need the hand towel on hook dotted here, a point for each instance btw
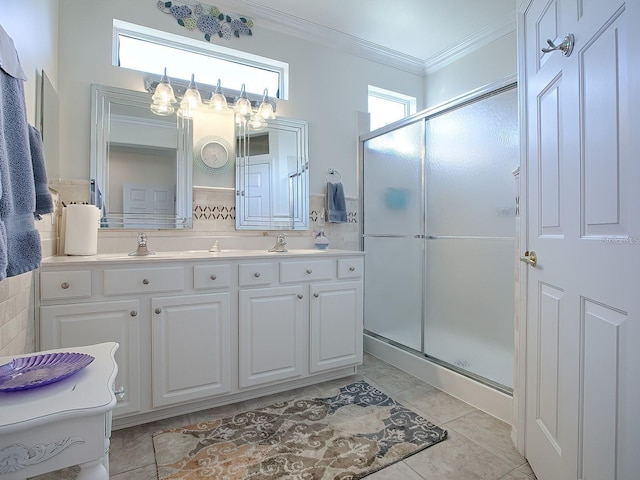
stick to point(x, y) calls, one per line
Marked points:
point(336, 205)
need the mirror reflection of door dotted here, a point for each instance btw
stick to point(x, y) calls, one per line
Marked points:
point(142, 164)
point(258, 187)
point(146, 199)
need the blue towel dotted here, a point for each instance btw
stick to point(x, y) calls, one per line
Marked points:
point(335, 203)
point(44, 202)
point(20, 249)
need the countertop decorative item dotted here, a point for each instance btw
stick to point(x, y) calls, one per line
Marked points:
point(208, 19)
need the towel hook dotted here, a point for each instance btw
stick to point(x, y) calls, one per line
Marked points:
point(333, 171)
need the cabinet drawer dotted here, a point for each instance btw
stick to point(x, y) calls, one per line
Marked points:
point(350, 268)
point(211, 276)
point(72, 284)
point(143, 280)
point(300, 271)
point(256, 274)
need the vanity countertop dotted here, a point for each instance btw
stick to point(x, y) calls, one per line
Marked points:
point(191, 255)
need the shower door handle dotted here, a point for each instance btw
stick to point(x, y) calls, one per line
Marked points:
point(530, 258)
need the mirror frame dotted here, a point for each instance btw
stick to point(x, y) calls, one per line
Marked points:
point(102, 99)
point(298, 218)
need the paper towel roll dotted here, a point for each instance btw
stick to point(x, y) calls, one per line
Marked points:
point(81, 230)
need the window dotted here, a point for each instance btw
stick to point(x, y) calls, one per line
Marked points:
point(386, 106)
point(147, 50)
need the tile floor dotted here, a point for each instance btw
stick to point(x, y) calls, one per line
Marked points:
point(478, 445)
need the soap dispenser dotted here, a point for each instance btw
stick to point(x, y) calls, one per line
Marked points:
point(321, 242)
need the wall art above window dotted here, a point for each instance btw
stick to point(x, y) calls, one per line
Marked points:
point(208, 19)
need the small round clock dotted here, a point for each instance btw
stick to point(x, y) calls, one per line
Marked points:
point(213, 154)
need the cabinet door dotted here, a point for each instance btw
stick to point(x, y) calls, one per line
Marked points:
point(190, 347)
point(273, 335)
point(336, 325)
point(75, 325)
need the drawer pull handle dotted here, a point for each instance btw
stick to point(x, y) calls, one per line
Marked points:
point(120, 392)
point(133, 313)
point(158, 311)
point(352, 269)
point(300, 296)
point(316, 294)
point(145, 281)
point(214, 276)
point(309, 271)
point(64, 285)
point(257, 274)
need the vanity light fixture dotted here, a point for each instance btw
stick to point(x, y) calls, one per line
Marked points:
point(242, 104)
point(163, 98)
point(191, 100)
point(218, 100)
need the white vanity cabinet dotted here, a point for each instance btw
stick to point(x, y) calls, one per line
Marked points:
point(199, 330)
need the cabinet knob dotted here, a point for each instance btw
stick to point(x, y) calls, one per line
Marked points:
point(300, 296)
point(213, 276)
point(133, 313)
point(158, 311)
point(316, 294)
point(309, 271)
point(145, 281)
point(352, 269)
point(120, 392)
point(64, 285)
point(257, 274)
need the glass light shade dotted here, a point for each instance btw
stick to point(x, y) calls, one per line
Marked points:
point(218, 100)
point(162, 109)
point(257, 122)
point(163, 97)
point(191, 100)
point(265, 110)
point(243, 105)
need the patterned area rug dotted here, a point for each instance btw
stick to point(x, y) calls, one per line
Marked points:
point(345, 437)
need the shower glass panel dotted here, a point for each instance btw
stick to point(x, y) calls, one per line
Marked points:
point(471, 152)
point(393, 211)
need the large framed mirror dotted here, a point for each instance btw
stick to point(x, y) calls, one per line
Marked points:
point(272, 176)
point(141, 163)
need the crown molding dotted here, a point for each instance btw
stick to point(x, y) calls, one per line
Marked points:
point(283, 22)
point(495, 30)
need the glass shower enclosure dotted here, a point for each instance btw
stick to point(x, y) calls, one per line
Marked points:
point(439, 234)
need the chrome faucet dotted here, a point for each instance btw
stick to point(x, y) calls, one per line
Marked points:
point(142, 249)
point(280, 244)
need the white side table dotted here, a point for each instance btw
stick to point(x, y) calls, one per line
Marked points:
point(62, 424)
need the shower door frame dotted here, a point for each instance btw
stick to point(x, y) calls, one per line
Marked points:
point(423, 116)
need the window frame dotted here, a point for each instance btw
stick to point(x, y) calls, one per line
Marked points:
point(409, 102)
point(199, 47)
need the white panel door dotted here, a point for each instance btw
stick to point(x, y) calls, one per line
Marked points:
point(582, 178)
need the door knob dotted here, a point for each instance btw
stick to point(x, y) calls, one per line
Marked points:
point(530, 258)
